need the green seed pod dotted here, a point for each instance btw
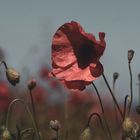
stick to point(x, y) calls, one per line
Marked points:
point(115, 75)
point(130, 55)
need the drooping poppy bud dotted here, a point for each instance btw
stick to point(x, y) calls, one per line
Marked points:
point(6, 135)
point(31, 84)
point(55, 125)
point(12, 76)
point(86, 134)
point(130, 55)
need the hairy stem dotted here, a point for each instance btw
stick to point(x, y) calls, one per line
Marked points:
point(4, 63)
point(114, 99)
point(131, 87)
point(28, 111)
point(66, 120)
point(34, 113)
point(125, 113)
point(100, 120)
point(113, 89)
point(102, 109)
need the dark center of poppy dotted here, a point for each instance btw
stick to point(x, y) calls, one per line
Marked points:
point(85, 55)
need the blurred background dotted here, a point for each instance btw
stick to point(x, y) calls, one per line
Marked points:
point(26, 31)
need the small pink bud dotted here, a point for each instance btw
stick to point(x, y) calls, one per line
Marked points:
point(31, 84)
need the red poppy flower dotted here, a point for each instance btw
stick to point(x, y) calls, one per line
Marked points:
point(75, 55)
point(4, 96)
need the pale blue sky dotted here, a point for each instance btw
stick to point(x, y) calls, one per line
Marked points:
point(28, 26)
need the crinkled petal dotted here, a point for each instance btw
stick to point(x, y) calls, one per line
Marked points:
point(74, 74)
point(96, 71)
point(80, 85)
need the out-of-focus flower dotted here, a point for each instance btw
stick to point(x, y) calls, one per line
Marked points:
point(55, 125)
point(75, 56)
point(44, 72)
point(6, 135)
point(4, 96)
point(130, 55)
point(86, 134)
point(40, 95)
point(31, 84)
point(12, 76)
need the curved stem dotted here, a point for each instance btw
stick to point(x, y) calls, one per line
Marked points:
point(102, 109)
point(3, 62)
point(28, 111)
point(131, 87)
point(33, 108)
point(114, 99)
point(127, 98)
point(100, 120)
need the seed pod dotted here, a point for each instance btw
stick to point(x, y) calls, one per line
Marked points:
point(86, 134)
point(55, 125)
point(115, 75)
point(127, 125)
point(12, 76)
point(6, 135)
point(31, 84)
point(130, 55)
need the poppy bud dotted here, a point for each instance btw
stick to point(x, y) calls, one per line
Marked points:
point(6, 135)
point(85, 134)
point(115, 75)
point(55, 125)
point(12, 76)
point(138, 109)
point(31, 84)
point(130, 55)
point(127, 125)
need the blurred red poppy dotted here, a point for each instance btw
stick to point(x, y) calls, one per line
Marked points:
point(44, 72)
point(75, 55)
point(40, 95)
point(4, 96)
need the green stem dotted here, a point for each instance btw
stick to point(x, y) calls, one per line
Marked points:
point(34, 113)
point(57, 138)
point(100, 120)
point(102, 108)
point(125, 113)
point(131, 87)
point(66, 120)
point(114, 99)
point(116, 116)
point(28, 111)
point(4, 63)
